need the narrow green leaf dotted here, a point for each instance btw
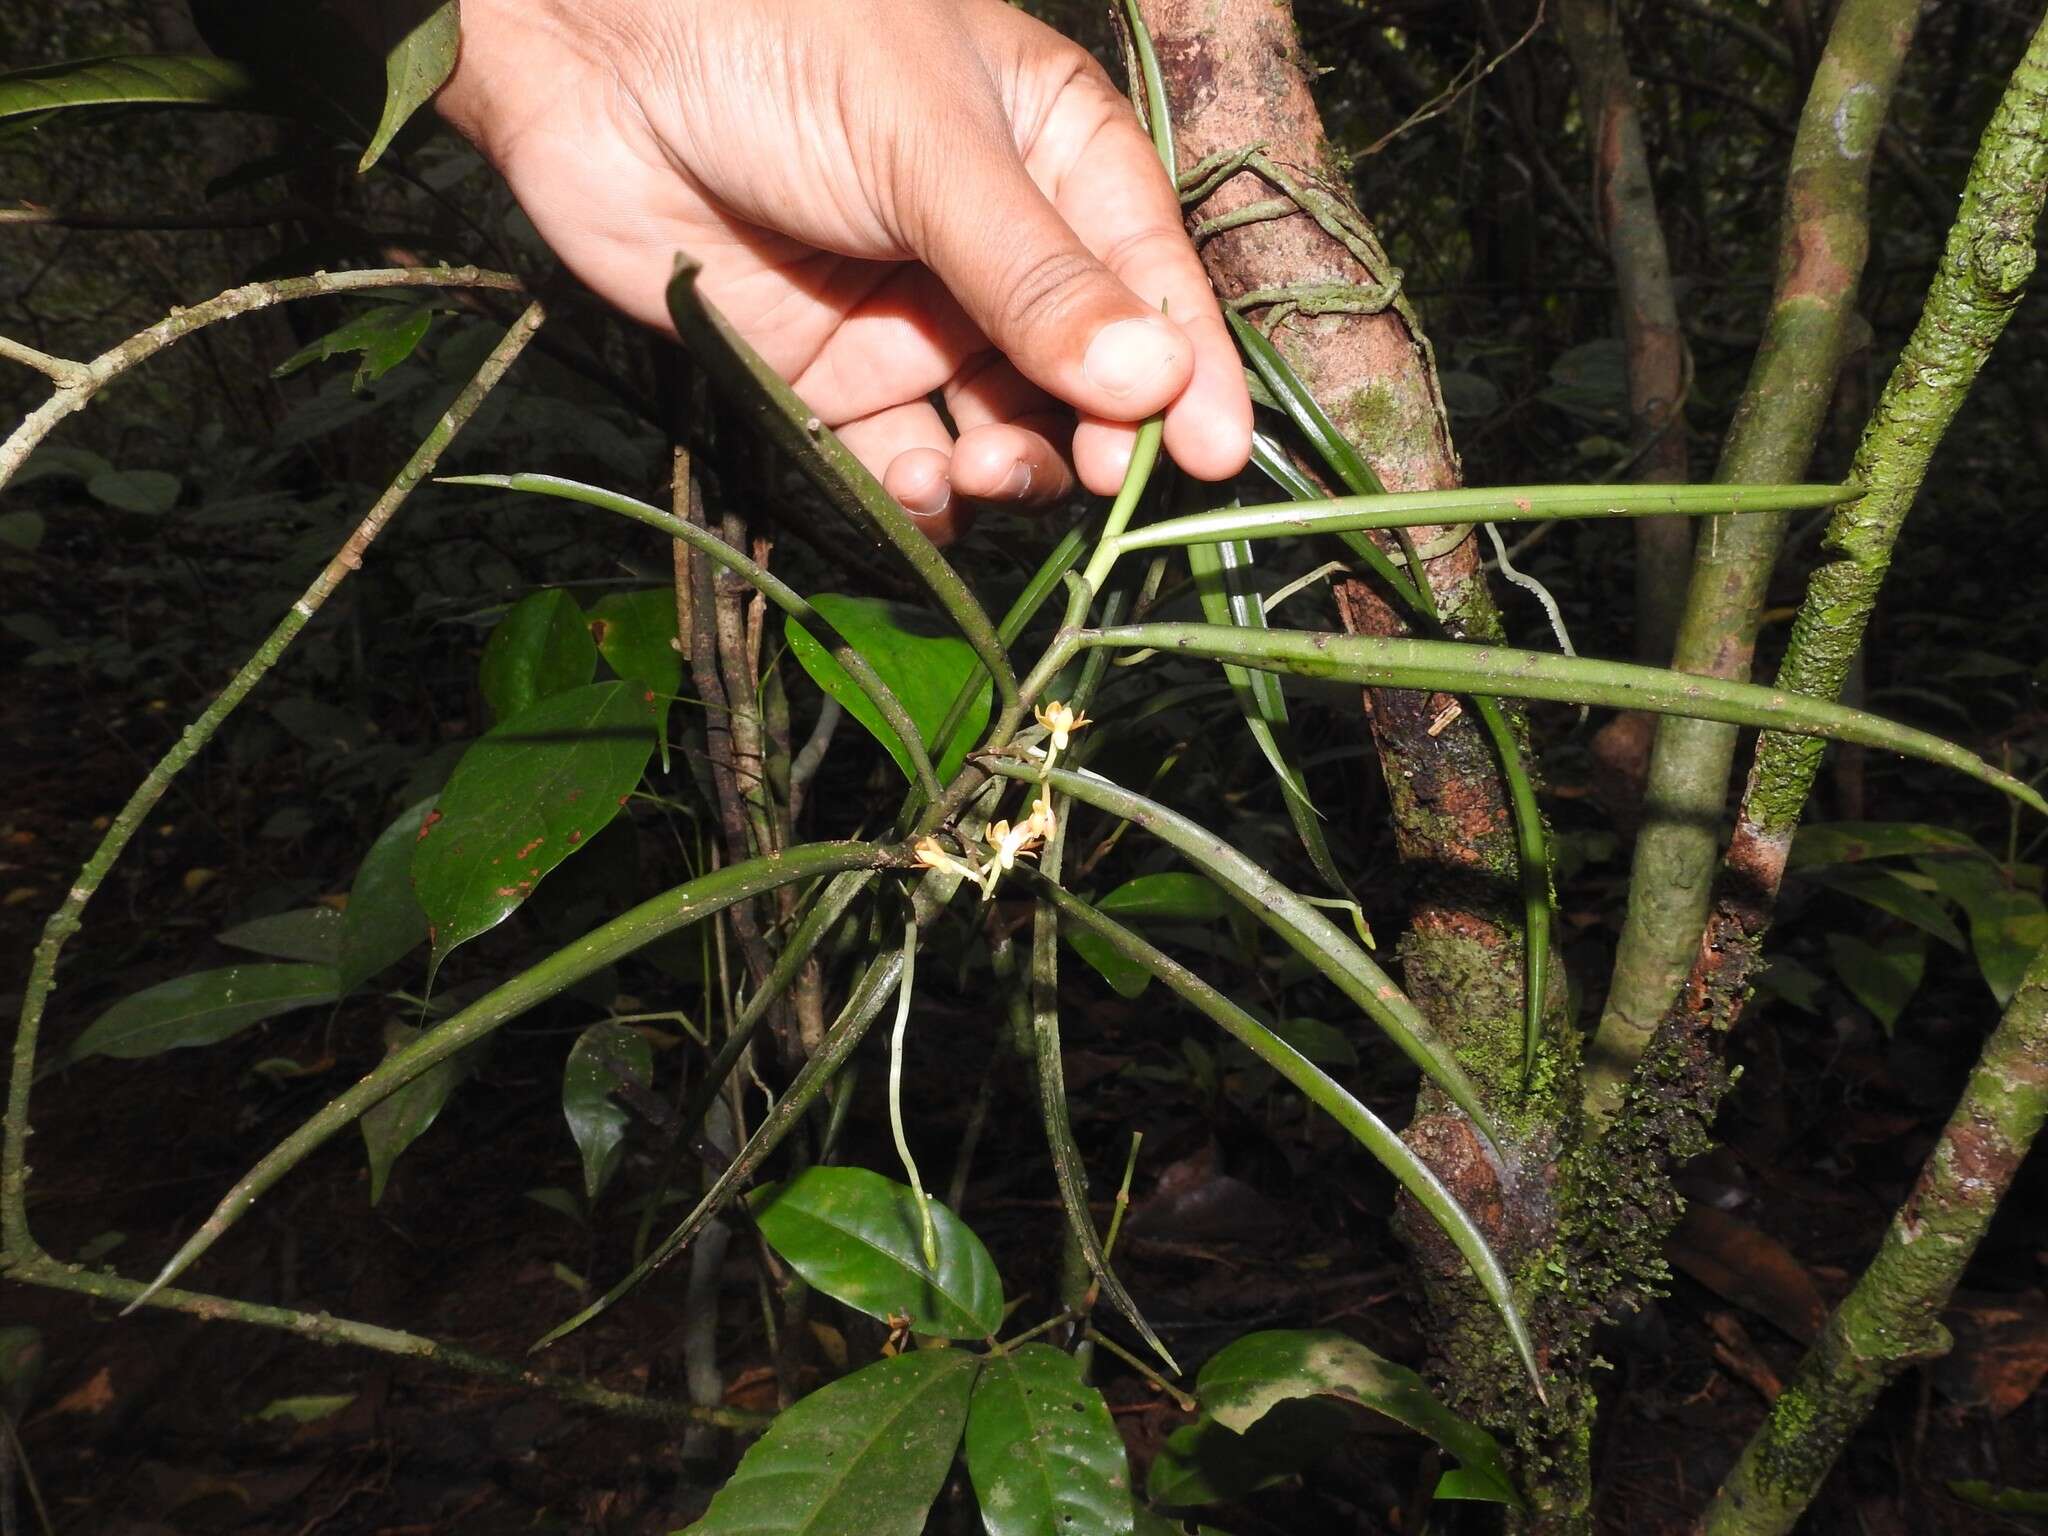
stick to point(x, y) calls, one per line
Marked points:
point(1453, 667)
point(1221, 573)
point(310, 934)
point(920, 659)
point(1302, 408)
point(856, 1236)
point(1471, 504)
point(523, 799)
point(816, 450)
point(1248, 1378)
point(636, 635)
point(1364, 1127)
point(1301, 926)
point(1042, 1451)
point(203, 1009)
point(541, 647)
point(127, 80)
point(383, 923)
point(385, 336)
point(417, 64)
point(604, 1056)
point(399, 1121)
point(866, 1455)
point(1204, 1463)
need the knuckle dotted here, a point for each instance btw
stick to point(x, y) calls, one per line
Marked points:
point(1043, 288)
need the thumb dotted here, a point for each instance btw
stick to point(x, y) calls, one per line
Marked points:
point(1067, 322)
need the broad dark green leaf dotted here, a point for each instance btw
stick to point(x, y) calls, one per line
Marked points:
point(1172, 896)
point(148, 491)
point(1847, 842)
point(916, 653)
point(1042, 1450)
point(1205, 1463)
point(311, 934)
point(523, 799)
point(203, 1009)
point(865, 1456)
point(417, 64)
point(1891, 892)
point(857, 1237)
point(636, 635)
point(1248, 1378)
point(541, 647)
point(385, 335)
point(603, 1056)
point(383, 923)
point(1881, 979)
point(126, 80)
point(2007, 923)
point(394, 1124)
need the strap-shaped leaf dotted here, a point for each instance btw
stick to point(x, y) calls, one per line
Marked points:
point(613, 941)
point(1364, 1127)
point(1305, 930)
point(1248, 1377)
point(127, 80)
point(867, 1454)
point(827, 463)
point(1227, 597)
point(857, 1236)
point(1316, 513)
point(1043, 1453)
point(1451, 667)
point(1302, 408)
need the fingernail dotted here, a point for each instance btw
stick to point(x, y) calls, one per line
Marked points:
point(1128, 354)
point(1015, 484)
point(930, 501)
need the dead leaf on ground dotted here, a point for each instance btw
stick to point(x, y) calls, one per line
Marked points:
point(2001, 1350)
point(1750, 1268)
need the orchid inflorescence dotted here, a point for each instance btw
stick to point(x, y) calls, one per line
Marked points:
point(1007, 843)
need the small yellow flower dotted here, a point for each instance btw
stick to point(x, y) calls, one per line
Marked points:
point(1041, 822)
point(1060, 722)
point(930, 854)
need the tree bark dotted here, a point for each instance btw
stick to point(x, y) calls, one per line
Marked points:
point(1236, 77)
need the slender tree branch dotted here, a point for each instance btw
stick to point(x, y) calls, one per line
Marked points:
point(1824, 236)
point(1891, 1319)
point(180, 323)
point(15, 1238)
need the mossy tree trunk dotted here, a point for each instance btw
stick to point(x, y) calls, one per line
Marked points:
point(1237, 77)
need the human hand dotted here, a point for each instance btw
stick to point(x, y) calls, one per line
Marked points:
point(890, 199)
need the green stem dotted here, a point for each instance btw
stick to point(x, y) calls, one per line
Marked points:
point(1824, 237)
point(1891, 1319)
point(15, 1238)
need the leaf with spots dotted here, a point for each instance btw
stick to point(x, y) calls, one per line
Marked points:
point(867, 1454)
point(1249, 1378)
point(1044, 1455)
point(523, 799)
